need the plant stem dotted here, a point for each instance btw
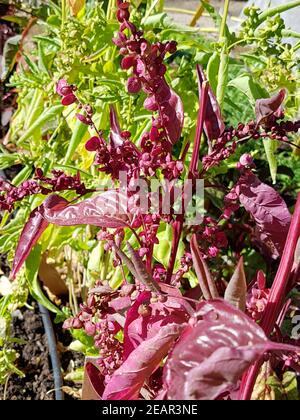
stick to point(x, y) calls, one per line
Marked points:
point(278, 290)
point(110, 9)
point(276, 298)
point(63, 13)
point(223, 75)
point(193, 170)
point(177, 230)
point(224, 20)
point(224, 57)
point(200, 124)
point(6, 387)
point(276, 10)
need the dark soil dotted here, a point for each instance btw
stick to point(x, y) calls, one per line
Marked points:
point(34, 359)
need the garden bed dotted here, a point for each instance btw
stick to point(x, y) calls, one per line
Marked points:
point(34, 360)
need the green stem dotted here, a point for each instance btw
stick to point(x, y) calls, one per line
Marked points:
point(161, 6)
point(290, 34)
point(224, 57)
point(224, 20)
point(277, 10)
point(110, 10)
point(63, 13)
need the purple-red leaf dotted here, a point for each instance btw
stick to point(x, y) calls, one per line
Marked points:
point(107, 210)
point(214, 352)
point(173, 310)
point(115, 131)
point(205, 280)
point(128, 380)
point(266, 108)
point(172, 114)
point(33, 230)
point(214, 125)
point(268, 209)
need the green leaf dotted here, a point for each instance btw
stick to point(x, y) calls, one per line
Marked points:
point(117, 278)
point(31, 64)
point(213, 70)
point(271, 147)
point(22, 176)
point(254, 91)
point(46, 116)
point(76, 375)
point(290, 386)
point(245, 84)
point(287, 389)
point(21, 21)
point(42, 58)
point(222, 76)
point(8, 159)
point(79, 132)
point(10, 52)
point(95, 260)
point(32, 265)
point(162, 251)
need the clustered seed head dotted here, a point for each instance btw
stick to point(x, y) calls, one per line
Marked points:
point(96, 318)
point(66, 91)
point(62, 182)
point(148, 69)
point(257, 301)
point(186, 263)
point(9, 194)
point(272, 127)
point(211, 238)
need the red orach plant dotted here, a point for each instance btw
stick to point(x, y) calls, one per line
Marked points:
point(210, 343)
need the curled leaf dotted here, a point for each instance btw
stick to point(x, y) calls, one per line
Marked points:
point(173, 117)
point(206, 282)
point(266, 108)
point(115, 130)
point(214, 125)
point(93, 383)
point(33, 230)
point(128, 380)
point(236, 291)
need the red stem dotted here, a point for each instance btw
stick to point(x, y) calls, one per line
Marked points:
point(178, 225)
point(276, 298)
point(177, 230)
